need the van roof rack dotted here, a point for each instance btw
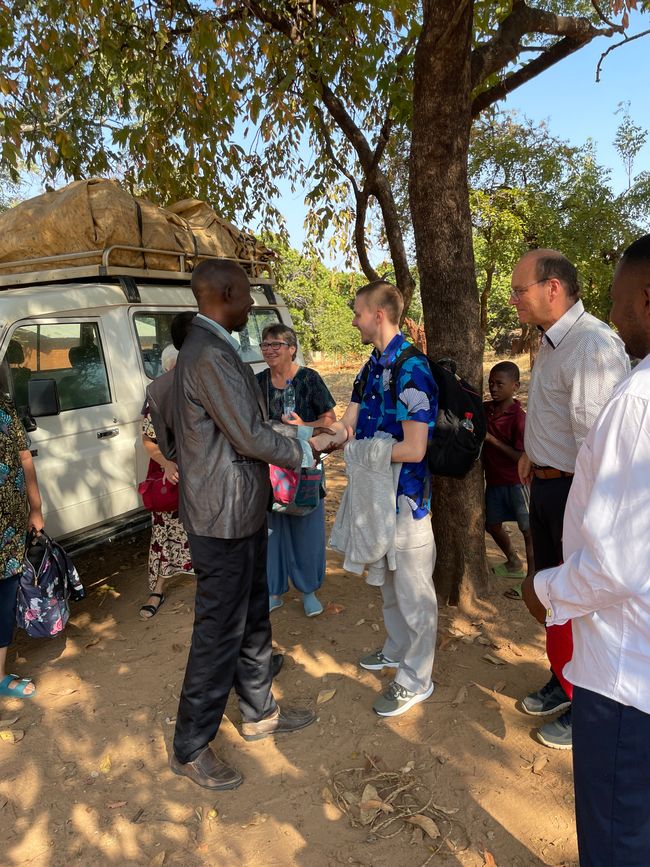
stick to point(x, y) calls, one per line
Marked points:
point(102, 268)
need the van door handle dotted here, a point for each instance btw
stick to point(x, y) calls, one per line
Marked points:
point(107, 434)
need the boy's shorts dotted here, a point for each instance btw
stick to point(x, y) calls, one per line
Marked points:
point(507, 503)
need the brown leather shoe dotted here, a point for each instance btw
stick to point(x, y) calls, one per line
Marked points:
point(208, 771)
point(288, 720)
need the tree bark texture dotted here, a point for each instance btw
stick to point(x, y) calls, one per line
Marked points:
point(485, 297)
point(438, 191)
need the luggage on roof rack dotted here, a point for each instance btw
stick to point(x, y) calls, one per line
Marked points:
point(98, 225)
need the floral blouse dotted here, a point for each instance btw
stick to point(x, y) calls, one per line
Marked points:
point(13, 494)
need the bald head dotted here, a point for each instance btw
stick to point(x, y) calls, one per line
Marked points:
point(549, 264)
point(222, 291)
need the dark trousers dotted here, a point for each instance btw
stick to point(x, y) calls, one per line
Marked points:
point(8, 594)
point(231, 641)
point(611, 770)
point(547, 504)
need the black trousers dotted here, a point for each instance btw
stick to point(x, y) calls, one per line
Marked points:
point(547, 503)
point(611, 774)
point(231, 641)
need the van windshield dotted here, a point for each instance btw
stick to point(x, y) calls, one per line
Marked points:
point(153, 330)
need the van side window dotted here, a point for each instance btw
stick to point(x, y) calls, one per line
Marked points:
point(251, 336)
point(68, 352)
point(154, 334)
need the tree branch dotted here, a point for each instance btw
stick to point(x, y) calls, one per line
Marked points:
point(362, 197)
point(505, 46)
point(561, 49)
point(618, 45)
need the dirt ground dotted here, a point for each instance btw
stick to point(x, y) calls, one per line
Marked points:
point(89, 783)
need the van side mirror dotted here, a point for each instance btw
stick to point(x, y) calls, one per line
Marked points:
point(43, 397)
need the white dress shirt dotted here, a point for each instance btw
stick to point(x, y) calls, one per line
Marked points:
point(578, 364)
point(603, 586)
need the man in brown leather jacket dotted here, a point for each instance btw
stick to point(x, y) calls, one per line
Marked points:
point(224, 445)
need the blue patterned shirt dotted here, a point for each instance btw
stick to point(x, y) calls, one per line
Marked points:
point(417, 400)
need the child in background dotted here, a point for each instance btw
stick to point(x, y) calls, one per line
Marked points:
point(505, 497)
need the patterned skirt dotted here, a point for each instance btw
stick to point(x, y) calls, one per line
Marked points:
point(169, 551)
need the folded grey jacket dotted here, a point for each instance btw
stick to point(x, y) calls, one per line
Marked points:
point(364, 528)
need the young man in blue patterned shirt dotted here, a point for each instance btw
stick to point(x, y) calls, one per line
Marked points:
point(405, 409)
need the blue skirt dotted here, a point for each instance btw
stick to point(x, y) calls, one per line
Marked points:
point(296, 550)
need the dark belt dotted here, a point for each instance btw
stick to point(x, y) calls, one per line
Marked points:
point(550, 473)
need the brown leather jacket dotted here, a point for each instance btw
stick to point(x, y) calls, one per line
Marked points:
point(224, 441)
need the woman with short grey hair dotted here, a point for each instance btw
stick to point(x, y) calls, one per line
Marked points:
point(296, 547)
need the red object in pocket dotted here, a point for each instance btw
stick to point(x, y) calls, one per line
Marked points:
point(157, 494)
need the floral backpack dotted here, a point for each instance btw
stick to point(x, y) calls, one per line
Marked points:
point(48, 581)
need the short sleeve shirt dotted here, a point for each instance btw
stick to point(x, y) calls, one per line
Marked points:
point(313, 397)
point(508, 427)
point(417, 400)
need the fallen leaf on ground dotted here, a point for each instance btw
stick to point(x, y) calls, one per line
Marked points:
point(334, 608)
point(158, 860)
point(370, 795)
point(105, 767)
point(12, 736)
point(493, 659)
point(92, 642)
point(488, 859)
point(325, 695)
point(376, 804)
point(8, 722)
point(408, 767)
point(539, 763)
point(115, 805)
point(213, 813)
point(360, 622)
point(375, 627)
point(460, 696)
point(483, 640)
point(417, 836)
point(514, 649)
point(63, 692)
point(445, 810)
point(428, 825)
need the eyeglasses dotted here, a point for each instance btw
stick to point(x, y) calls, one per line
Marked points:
point(273, 344)
point(517, 293)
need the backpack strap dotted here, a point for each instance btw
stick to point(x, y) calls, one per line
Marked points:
point(361, 382)
point(411, 351)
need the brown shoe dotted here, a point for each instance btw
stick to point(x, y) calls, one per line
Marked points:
point(208, 771)
point(289, 720)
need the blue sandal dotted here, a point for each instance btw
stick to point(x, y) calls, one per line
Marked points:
point(17, 691)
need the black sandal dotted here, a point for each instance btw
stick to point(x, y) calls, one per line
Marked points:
point(152, 610)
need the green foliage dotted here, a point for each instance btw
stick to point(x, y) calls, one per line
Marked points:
point(530, 189)
point(629, 140)
point(319, 301)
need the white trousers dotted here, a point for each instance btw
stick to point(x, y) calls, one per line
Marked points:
point(410, 603)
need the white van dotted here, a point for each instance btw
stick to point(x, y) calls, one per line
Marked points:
point(78, 348)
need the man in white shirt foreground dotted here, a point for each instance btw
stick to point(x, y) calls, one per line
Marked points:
point(603, 586)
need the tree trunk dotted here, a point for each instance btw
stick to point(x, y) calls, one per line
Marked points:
point(442, 228)
point(485, 296)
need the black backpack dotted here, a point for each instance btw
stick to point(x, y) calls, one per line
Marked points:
point(453, 449)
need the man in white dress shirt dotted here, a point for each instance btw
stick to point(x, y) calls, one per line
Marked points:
point(579, 362)
point(603, 586)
